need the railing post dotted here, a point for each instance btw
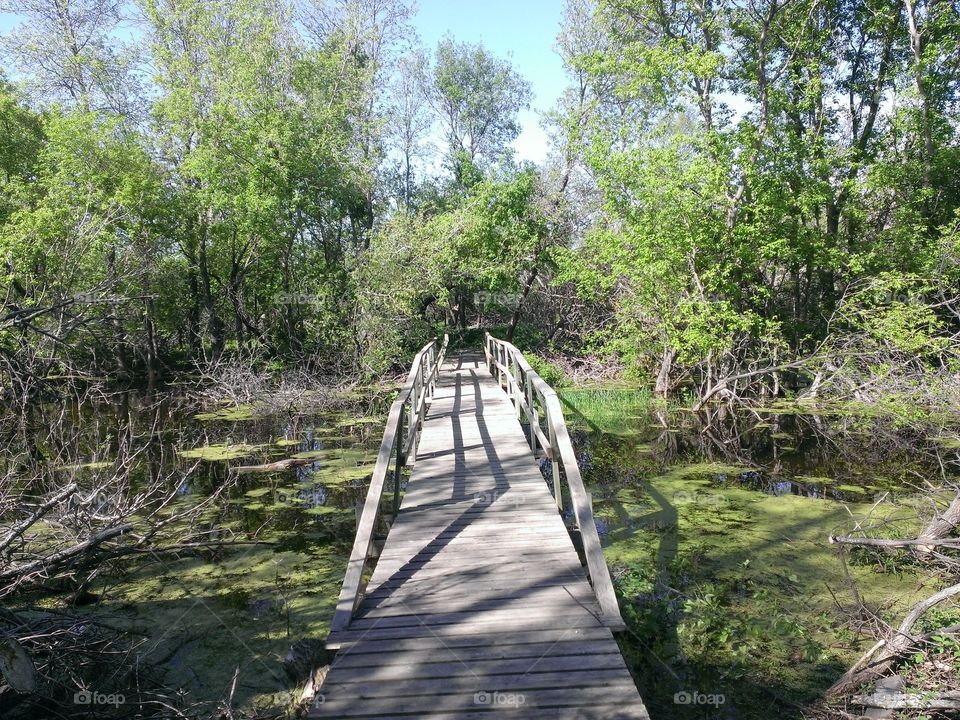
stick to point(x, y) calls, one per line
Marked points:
point(398, 465)
point(502, 359)
point(531, 417)
point(555, 461)
point(516, 384)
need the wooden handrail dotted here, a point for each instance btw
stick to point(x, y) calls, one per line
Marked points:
point(418, 392)
point(524, 386)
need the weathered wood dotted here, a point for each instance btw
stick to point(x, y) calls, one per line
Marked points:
point(350, 591)
point(592, 712)
point(564, 455)
point(479, 588)
point(346, 705)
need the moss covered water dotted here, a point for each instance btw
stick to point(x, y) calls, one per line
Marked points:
point(717, 532)
point(715, 527)
point(219, 618)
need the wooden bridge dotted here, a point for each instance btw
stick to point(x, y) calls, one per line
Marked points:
point(480, 604)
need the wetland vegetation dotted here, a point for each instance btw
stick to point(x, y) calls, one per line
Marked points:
point(227, 225)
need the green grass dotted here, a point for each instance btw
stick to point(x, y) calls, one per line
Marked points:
point(609, 410)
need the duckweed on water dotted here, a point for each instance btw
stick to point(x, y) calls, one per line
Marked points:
point(207, 617)
point(720, 556)
point(234, 413)
point(220, 453)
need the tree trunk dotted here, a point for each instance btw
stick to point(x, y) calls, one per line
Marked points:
point(941, 526)
point(917, 49)
point(515, 317)
point(662, 387)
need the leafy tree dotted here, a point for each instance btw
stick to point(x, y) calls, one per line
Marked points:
point(731, 237)
point(66, 53)
point(477, 96)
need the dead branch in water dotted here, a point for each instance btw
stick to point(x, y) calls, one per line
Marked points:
point(277, 466)
point(897, 642)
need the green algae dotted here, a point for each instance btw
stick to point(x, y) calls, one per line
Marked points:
point(815, 479)
point(234, 413)
point(94, 465)
point(258, 492)
point(758, 583)
point(220, 453)
point(203, 620)
point(340, 475)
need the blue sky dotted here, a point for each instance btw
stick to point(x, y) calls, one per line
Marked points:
point(524, 31)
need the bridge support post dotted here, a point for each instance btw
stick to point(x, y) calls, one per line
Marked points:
point(555, 462)
point(398, 466)
point(531, 417)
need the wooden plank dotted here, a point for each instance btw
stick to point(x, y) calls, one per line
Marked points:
point(501, 651)
point(558, 616)
point(463, 683)
point(351, 706)
point(444, 668)
point(593, 712)
point(533, 623)
point(482, 640)
point(478, 587)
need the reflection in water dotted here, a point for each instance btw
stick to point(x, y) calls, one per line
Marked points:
point(260, 568)
point(716, 529)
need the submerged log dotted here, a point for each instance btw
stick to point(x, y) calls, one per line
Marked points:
point(943, 525)
point(949, 700)
point(273, 467)
point(16, 667)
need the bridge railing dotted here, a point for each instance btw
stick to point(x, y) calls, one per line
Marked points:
point(534, 399)
point(399, 443)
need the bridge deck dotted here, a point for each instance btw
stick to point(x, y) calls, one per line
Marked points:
point(479, 605)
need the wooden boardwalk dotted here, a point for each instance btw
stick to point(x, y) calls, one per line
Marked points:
point(479, 605)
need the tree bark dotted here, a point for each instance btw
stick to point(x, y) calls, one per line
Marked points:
point(941, 526)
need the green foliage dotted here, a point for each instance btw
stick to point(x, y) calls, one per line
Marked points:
point(815, 214)
point(480, 96)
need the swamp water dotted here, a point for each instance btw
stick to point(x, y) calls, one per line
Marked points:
point(715, 530)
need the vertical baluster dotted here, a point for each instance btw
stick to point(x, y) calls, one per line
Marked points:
point(516, 384)
point(413, 407)
point(397, 467)
point(500, 364)
point(555, 461)
point(531, 416)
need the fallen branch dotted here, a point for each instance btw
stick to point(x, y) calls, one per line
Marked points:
point(47, 563)
point(879, 542)
point(272, 467)
point(940, 527)
point(23, 526)
point(892, 648)
point(949, 700)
